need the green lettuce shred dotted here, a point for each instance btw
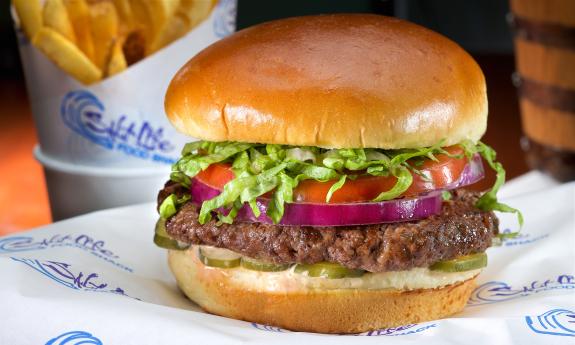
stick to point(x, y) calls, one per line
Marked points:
point(193, 161)
point(170, 205)
point(283, 194)
point(335, 187)
point(488, 201)
point(278, 169)
point(404, 180)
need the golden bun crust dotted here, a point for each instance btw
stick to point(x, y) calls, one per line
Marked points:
point(323, 311)
point(334, 81)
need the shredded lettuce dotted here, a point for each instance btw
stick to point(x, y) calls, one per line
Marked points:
point(245, 187)
point(283, 194)
point(404, 180)
point(278, 169)
point(181, 178)
point(193, 161)
point(488, 201)
point(301, 154)
point(335, 187)
point(170, 205)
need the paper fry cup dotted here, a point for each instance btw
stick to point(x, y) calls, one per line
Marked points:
point(120, 121)
point(76, 189)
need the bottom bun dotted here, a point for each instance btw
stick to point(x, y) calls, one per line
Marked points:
point(313, 310)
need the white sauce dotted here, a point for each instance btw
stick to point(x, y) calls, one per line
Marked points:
point(417, 278)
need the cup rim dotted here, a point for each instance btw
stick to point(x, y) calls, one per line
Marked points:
point(74, 168)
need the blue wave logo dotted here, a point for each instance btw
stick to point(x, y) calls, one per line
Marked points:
point(81, 241)
point(553, 322)
point(19, 244)
point(80, 111)
point(225, 18)
point(75, 338)
point(496, 291)
point(63, 274)
point(85, 114)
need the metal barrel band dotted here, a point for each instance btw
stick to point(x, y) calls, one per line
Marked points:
point(550, 34)
point(545, 95)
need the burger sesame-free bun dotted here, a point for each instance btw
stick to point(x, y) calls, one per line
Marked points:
point(334, 81)
point(219, 291)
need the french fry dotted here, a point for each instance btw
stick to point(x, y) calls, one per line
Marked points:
point(157, 13)
point(160, 11)
point(126, 16)
point(56, 17)
point(177, 27)
point(104, 20)
point(187, 15)
point(134, 47)
point(196, 10)
point(30, 14)
point(90, 39)
point(79, 14)
point(117, 61)
point(66, 55)
point(142, 21)
point(170, 6)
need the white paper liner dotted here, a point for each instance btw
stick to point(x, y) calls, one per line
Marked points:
point(99, 278)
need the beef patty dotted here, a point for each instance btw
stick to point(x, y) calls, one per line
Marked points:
point(460, 229)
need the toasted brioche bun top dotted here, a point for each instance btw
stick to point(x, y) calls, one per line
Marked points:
point(334, 81)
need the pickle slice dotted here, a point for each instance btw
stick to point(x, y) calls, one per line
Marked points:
point(461, 264)
point(169, 243)
point(163, 240)
point(257, 265)
point(328, 270)
point(219, 257)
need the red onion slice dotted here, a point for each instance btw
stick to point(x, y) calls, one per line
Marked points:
point(347, 214)
point(472, 173)
point(306, 214)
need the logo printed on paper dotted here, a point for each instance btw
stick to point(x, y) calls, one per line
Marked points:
point(495, 291)
point(75, 338)
point(63, 274)
point(225, 18)
point(86, 115)
point(93, 246)
point(389, 332)
point(401, 330)
point(553, 322)
point(269, 328)
point(520, 239)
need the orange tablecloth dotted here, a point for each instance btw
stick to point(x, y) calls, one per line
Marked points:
point(23, 197)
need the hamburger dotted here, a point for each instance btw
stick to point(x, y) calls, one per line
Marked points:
point(325, 193)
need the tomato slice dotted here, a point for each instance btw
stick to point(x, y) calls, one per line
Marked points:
point(216, 175)
point(365, 188)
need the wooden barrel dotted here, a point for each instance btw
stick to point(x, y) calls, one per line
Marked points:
point(544, 36)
